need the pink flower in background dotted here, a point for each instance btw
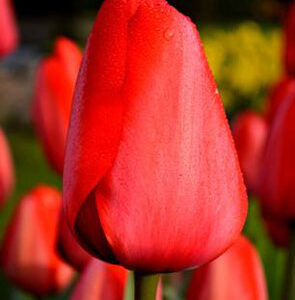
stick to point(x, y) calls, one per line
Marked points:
point(236, 275)
point(250, 132)
point(277, 94)
point(6, 170)
point(52, 104)
point(101, 281)
point(277, 180)
point(8, 28)
point(28, 257)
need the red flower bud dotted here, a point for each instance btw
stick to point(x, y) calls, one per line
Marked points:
point(290, 39)
point(250, 131)
point(55, 83)
point(28, 256)
point(276, 96)
point(6, 170)
point(8, 28)
point(100, 281)
point(277, 185)
point(237, 274)
point(149, 148)
point(68, 248)
point(278, 230)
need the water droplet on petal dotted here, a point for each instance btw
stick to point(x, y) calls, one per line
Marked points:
point(216, 92)
point(168, 34)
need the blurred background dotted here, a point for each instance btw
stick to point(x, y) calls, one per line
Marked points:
point(243, 42)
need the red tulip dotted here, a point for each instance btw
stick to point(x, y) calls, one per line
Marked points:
point(277, 95)
point(100, 281)
point(28, 256)
point(55, 83)
point(290, 39)
point(237, 274)
point(250, 131)
point(279, 231)
point(8, 28)
point(149, 148)
point(277, 188)
point(6, 170)
point(68, 248)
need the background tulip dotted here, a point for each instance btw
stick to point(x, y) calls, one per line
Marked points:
point(279, 231)
point(277, 94)
point(8, 28)
point(6, 169)
point(103, 281)
point(277, 188)
point(237, 274)
point(149, 137)
point(100, 281)
point(55, 81)
point(68, 248)
point(290, 38)
point(28, 256)
point(250, 132)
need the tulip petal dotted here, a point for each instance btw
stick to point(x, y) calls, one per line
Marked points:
point(250, 132)
point(6, 169)
point(52, 104)
point(91, 150)
point(277, 94)
point(290, 39)
point(48, 121)
point(68, 248)
point(100, 281)
point(278, 230)
point(277, 185)
point(237, 274)
point(8, 28)
point(28, 256)
point(150, 138)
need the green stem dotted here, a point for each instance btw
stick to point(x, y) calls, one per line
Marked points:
point(146, 286)
point(290, 269)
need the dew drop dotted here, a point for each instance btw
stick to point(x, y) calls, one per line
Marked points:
point(168, 34)
point(216, 92)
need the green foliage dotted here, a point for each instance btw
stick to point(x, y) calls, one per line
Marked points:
point(273, 259)
point(245, 60)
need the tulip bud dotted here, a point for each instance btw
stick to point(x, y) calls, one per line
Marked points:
point(28, 256)
point(55, 81)
point(6, 170)
point(149, 149)
point(277, 185)
point(8, 28)
point(237, 274)
point(68, 248)
point(278, 230)
point(100, 281)
point(290, 39)
point(249, 132)
point(277, 95)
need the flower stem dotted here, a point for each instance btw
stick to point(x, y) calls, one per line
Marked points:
point(288, 290)
point(146, 286)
